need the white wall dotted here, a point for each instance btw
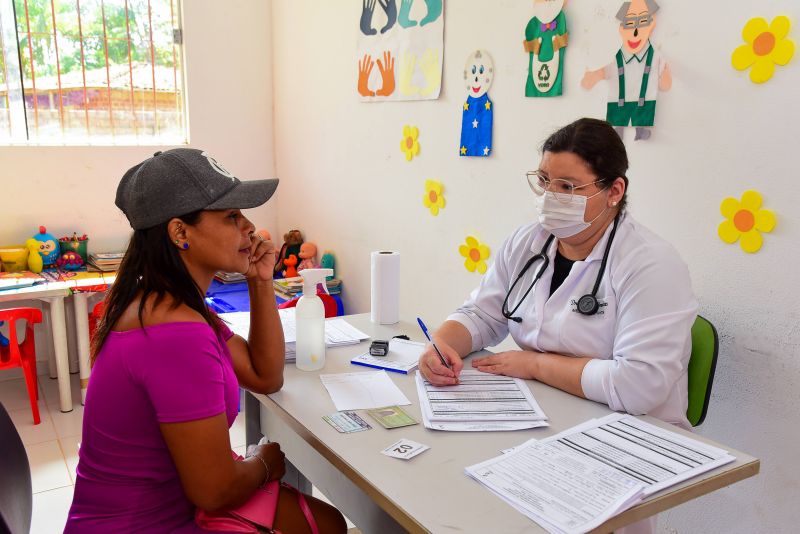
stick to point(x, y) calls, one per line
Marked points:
point(348, 187)
point(228, 51)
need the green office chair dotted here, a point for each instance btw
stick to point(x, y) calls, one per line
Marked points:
point(702, 364)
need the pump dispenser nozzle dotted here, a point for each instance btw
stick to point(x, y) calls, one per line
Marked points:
point(312, 277)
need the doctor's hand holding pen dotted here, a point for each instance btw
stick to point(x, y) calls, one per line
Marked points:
point(440, 362)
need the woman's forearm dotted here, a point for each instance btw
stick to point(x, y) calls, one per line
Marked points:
point(265, 342)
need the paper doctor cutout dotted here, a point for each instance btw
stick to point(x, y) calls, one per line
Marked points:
point(545, 40)
point(637, 74)
point(478, 110)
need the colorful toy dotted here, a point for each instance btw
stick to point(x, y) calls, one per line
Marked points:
point(328, 262)
point(35, 262)
point(291, 270)
point(70, 261)
point(3, 340)
point(75, 244)
point(308, 256)
point(265, 234)
point(291, 245)
point(48, 246)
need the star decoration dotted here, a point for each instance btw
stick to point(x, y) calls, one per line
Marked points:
point(463, 151)
point(486, 151)
point(466, 106)
point(488, 105)
point(475, 123)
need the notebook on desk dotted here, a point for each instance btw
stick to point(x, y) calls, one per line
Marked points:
point(403, 357)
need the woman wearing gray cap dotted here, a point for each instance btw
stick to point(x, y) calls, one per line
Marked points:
point(166, 371)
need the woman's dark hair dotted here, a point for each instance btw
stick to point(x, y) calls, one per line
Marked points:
point(151, 265)
point(596, 143)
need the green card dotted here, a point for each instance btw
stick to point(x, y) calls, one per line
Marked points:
point(391, 417)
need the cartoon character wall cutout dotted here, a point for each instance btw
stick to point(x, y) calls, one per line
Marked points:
point(545, 40)
point(478, 111)
point(638, 72)
point(404, 39)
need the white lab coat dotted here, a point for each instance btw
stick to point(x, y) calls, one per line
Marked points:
point(640, 340)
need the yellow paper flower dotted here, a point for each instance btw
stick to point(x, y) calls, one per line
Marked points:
point(410, 145)
point(433, 199)
point(766, 47)
point(475, 253)
point(744, 221)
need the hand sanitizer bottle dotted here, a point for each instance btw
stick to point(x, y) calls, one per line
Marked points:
point(310, 315)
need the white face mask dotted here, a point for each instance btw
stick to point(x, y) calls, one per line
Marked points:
point(564, 220)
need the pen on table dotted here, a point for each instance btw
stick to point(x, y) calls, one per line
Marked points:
point(441, 357)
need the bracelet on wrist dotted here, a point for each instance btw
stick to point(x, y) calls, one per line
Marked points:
point(266, 477)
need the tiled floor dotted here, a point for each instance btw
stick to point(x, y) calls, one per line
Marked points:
point(52, 446)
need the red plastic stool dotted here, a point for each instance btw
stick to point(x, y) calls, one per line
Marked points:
point(22, 355)
point(95, 316)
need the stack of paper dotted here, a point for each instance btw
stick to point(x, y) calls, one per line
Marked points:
point(480, 402)
point(105, 261)
point(403, 356)
point(338, 332)
point(289, 288)
point(229, 278)
point(576, 480)
point(357, 391)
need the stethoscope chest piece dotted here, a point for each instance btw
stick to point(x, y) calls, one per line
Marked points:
point(588, 305)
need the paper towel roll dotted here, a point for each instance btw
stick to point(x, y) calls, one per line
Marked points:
point(385, 287)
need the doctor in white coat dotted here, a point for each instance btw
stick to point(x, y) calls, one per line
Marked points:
point(601, 307)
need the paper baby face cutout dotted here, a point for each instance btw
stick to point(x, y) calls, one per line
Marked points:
point(637, 73)
point(477, 113)
point(545, 41)
point(478, 73)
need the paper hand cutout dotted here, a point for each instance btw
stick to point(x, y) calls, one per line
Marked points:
point(429, 65)
point(367, 9)
point(406, 72)
point(591, 77)
point(364, 69)
point(405, 9)
point(434, 11)
point(390, 7)
point(387, 74)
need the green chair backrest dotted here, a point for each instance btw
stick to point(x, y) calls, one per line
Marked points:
point(702, 364)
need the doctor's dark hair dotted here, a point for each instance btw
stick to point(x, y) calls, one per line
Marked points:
point(598, 145)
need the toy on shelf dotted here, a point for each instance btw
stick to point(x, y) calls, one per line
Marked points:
point(35, 262)
point(308, 256)
point(70, 261)
point(291, 245)
point(75, 244)
point(14, 258)
point(291, 270)
point(264, 234)
point(328, 262)
point(48, 247)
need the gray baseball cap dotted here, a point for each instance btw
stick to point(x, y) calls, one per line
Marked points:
point(183, 180)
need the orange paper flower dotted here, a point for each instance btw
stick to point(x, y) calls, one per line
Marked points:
point(745, 220)
point(433, 199)
point(475, 254)
point(766, 46)
point(410, 145)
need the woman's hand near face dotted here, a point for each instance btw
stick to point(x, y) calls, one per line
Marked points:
point(516, 363)
point(262, 259)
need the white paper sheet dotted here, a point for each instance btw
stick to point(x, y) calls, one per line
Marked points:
point(357, 391)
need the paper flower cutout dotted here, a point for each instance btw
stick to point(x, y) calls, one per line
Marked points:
point(433, 199)
point(766, 47)
point(475, 253)
point(744, 221)
point(410, 145)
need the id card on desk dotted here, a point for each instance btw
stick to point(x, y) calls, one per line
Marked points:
point(346, 422)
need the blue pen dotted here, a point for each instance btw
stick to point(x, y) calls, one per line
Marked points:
point(425, 331)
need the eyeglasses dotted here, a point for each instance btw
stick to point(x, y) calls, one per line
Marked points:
point(563, 190)
point(637, 21)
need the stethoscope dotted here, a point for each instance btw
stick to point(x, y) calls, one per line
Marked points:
point(587, 304)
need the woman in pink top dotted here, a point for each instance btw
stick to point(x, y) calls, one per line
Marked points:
point(166, 371)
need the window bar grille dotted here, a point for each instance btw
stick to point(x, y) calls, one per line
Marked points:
point(83, 69)
point(175, 65)
point(7, 82)
point(58, 67)
point(130, 70)
point(108, 70)
point(153, 66)
point(33, 71)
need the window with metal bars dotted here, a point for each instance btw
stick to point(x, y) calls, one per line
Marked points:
point(91, 72)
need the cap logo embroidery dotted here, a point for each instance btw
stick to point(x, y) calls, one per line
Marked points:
point(217, 167)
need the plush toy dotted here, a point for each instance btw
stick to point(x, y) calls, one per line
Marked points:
point(291, 270)
point(48, 246)
point(308, 256)
point(70, 261)
point(35, 263)
point(291, 245)
point(328, 262)
point(265, 234)
point(3, 340)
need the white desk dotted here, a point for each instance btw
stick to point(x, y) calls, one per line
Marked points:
point(429, 493)
point(53, 293)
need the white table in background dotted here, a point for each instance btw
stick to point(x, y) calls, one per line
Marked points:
point(429, 493)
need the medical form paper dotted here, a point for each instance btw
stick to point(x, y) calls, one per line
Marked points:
point(576, 480)
point(480, 402)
